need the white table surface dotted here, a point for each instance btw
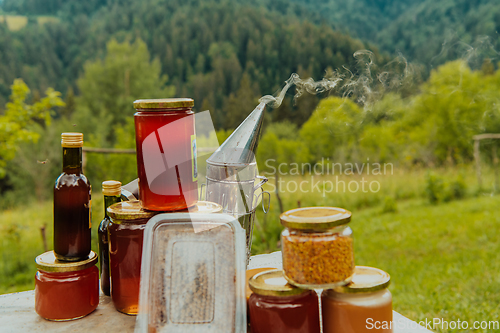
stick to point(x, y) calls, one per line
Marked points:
point(17, 312)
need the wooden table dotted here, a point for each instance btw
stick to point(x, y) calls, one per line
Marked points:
point(17, 312)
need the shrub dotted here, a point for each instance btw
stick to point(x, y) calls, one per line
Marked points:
point(438, 190)
point(434, 188)
point(390, 205)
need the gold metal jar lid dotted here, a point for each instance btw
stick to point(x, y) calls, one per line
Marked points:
point(111, 188)
point(47, 262)
point(205, 207)
point(164, 103)
point(128, 211)
point(366, 280)
point(72, 140)
point(312, 218)
point(273, 283)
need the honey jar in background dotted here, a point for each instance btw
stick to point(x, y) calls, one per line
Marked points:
point(363, 306)
point(66, 290)
point(166, 153)
point(278, 307)
point(317, 247)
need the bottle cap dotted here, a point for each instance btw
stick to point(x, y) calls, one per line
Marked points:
point(72, 140)
point(111, 188)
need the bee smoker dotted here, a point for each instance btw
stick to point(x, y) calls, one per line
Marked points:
point(232, 174)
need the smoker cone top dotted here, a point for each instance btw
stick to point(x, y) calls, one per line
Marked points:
point(239, 149)
point(232, 170)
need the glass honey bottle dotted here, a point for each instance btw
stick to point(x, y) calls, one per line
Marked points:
point(111, 189)
point(72, 203)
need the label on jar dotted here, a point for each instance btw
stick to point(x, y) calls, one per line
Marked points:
point(194, 164)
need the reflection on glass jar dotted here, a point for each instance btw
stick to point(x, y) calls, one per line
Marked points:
point(317, 247)
point(166, 153)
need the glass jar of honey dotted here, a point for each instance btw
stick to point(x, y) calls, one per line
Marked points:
point(278, 307)
point(166, 153)
point(66, 290)
point(317, 247)
point(125, 237)
point(363, 306)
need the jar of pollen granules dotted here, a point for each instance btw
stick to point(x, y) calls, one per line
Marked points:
point(317, 247)
point(363, 306)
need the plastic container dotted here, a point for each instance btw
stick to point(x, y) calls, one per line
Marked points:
point(363, 306)
point(193, 275)
point(166, 153)
point(278, 307)
point(125, 234)
point(317, 247)
point(66, 290)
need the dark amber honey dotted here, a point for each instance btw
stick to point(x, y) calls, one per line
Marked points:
point(125, 256)
point(72, 206)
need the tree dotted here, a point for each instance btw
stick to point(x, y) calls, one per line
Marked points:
point(18, 122)
point(109, 86)
point(333, 128)
point(240, 104)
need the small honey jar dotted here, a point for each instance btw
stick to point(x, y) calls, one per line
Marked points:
point(66, 290)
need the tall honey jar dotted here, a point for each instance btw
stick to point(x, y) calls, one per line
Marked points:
point(166, 153)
